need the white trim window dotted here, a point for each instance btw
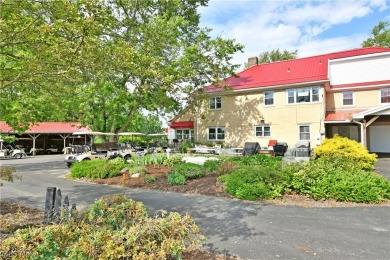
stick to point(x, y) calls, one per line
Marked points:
point(347, 98)
point(304, 133)
point(215, 103)
point(268, 98)
point(385, 95)
point(263, 131)
point(184, 134)
point(303, 95)
point(216, 133)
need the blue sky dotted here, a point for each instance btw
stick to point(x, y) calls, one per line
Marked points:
point(311, 27)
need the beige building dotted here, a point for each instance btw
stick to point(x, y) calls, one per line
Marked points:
point(306, 99)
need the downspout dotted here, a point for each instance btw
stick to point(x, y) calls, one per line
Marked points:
point(362, 132)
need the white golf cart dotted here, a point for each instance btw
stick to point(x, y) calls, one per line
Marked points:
point(130, 149)
point(91, 152)
point(9, 151)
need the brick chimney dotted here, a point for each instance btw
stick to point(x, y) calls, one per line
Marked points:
point(252, 61)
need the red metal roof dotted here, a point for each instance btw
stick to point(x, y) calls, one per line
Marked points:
point(47, 128)
point(309, 69)
point(183, 124)
point(343, 115)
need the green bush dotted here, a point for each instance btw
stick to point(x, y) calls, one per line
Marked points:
point(226, 167)
point(346, 149)
point(249, 182)
point(258, 159)
point(112, 228)
point(212, 166)
point(189, 170)
point(149, 159)
point(138, 169)
point(96, 169)
point(149, 179)
point(176, 179)
point(340, 181)
point(173, 160)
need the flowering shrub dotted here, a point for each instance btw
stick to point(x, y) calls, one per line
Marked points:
point(346, 149)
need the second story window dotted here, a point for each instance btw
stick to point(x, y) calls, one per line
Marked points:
point(347, 98)
point(215, 103)
point(385, 95)
point(303, 95)
point(268, 98)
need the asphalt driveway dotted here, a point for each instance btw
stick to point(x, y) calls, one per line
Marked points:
point(248, 230)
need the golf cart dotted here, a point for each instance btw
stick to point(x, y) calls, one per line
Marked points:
point(92, 151)
point(10, 151)
point(131, 148)
point(159, 143)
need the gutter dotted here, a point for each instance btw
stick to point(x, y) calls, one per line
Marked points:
point(362, 132)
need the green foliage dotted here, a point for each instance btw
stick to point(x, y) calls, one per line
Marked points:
point(7, 173)
point(114, 227)
point(138, 169)
point(96, 169)
point(173, 160)
point(117, 160)
point(149, 179)
point(346, 149)
point(189, 170)
point(257, 159)
point(380, 36)
point(212, 166)
point(226, 167)
point(176, 179)
point(340, 181)
point(149, 159)
point(183, 148)
point(249, 182)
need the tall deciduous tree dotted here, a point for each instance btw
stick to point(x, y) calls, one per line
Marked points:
point(116, 56)
point(380, 36)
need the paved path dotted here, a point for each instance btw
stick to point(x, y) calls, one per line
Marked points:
point(248, 230)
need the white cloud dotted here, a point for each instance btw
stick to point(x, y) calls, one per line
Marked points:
point(291, 25)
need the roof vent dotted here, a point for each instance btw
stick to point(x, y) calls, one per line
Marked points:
point(288, 70)
point(252, 61)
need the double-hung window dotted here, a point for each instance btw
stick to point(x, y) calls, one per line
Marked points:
point(262, 131)
point(304, 133)
point(216, 133)
point(268, 98)
point(303, 95)
point(385, 95)
point(347, 98)
point(215, 103)
point(184, 134)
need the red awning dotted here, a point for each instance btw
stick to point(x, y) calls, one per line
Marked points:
point(183, 124)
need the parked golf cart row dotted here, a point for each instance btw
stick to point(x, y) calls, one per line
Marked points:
point(9, 151)
point(107, 151)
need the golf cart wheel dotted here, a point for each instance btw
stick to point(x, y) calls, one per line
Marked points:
point(69, 164)
point(86, 159)
point(48, 152)
point(127, 157)
point(18, 156)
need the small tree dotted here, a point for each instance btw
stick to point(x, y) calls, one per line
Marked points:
point(380, 36)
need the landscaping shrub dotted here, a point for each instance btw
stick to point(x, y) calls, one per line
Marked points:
point(249, 182)
point(96, 169)
point(340, 181)
point(348, 150)
point(112, 228)
point(173, 160)
point(258, 159)
point(149, 179)
point(176, 179)
point(189, 170)
point(138, 169)
point(226, 167)
point(212, 166)
point(149, 159)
